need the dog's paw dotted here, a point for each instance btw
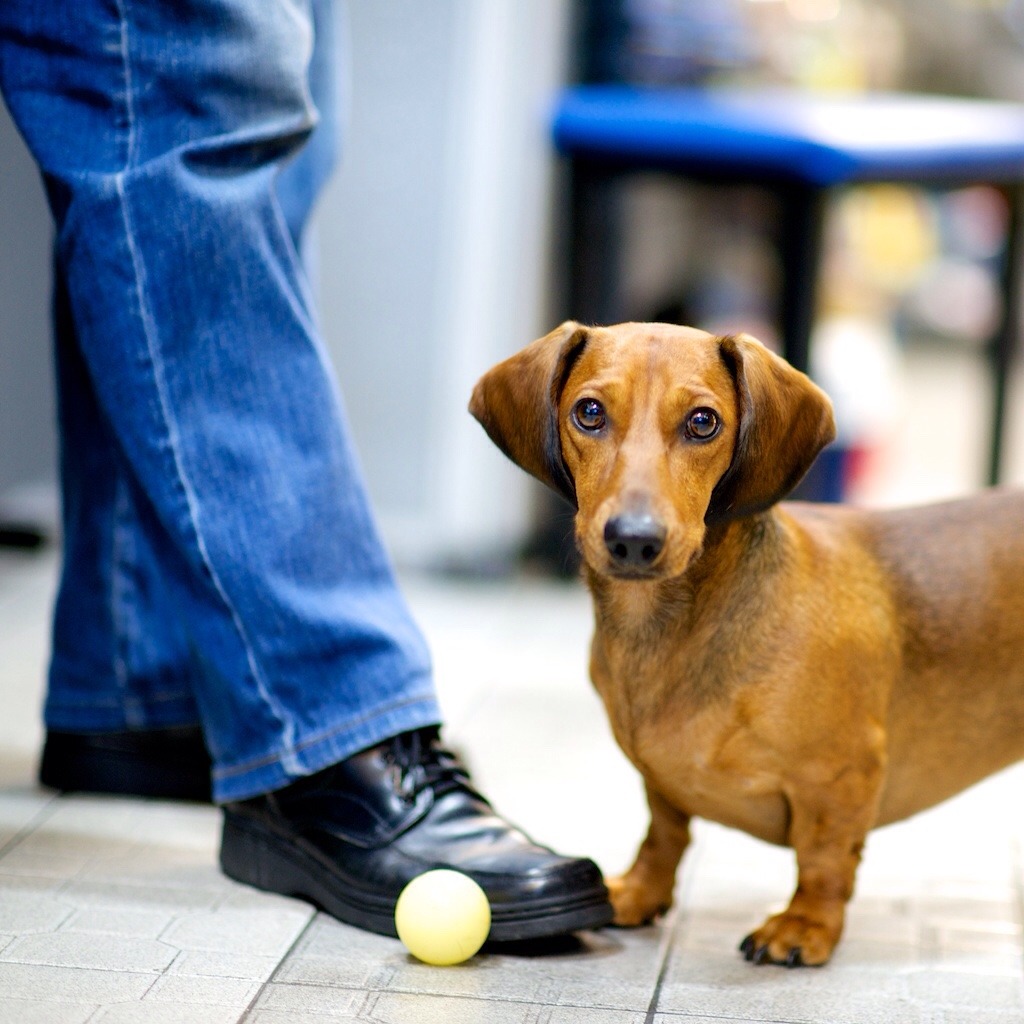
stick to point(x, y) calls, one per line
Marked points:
point(635, 904)
point(793, 940)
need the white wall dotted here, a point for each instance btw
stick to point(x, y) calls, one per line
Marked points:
point(27, 433)
point(434, 253)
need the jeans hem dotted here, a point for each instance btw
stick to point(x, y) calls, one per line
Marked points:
point(158, 712)
point(263, 775)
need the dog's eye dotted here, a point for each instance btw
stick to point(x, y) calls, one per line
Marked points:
point(588, 414)
point(702, 424)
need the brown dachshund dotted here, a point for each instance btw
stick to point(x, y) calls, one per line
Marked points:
point(802, 672)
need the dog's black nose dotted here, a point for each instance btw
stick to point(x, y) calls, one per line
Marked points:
point(634, 541)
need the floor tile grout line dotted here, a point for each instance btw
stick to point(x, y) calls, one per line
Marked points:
point(457, 997)
point(246, 1013)
point(685, 885)
point(668, 1015)
point(668, 944)
point(39, 818)
point(404, 990)
point(474, 997)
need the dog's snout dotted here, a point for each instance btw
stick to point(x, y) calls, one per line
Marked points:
point(634, 541)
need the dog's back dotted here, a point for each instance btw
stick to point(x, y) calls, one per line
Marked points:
point(955, 572)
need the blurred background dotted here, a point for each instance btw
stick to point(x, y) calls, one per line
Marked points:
point(439, 246)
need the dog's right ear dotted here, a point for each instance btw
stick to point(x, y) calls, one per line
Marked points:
point(516, 402)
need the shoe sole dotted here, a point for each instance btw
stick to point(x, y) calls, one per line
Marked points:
point(256, 856)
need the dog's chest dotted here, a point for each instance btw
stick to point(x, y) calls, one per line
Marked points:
point(709, 770)
point(700, 754)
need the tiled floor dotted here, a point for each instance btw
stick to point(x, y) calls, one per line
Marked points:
point(113, 910)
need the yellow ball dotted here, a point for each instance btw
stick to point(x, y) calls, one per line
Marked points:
point(442, 917)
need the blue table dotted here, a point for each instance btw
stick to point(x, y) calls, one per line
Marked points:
point(800, 146)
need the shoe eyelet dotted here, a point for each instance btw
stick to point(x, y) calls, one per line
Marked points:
point(403, 782)
point(395, 777)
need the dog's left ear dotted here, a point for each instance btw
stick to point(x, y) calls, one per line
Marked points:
point(516, 402)
point(785, 421)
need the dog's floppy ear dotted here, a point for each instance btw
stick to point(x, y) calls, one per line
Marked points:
point(785, 421)
point(516, 402)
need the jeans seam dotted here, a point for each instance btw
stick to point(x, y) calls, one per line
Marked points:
point(129, 99)
point(167, 422)
point(120, 640)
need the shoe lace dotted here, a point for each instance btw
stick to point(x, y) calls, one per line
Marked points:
point(417, 761)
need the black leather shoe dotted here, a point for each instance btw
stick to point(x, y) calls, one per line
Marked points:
point(349, 838)
point(168, 764)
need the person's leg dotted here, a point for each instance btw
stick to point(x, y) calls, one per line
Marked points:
point(159, 129)
point(119, 645)
point(119, 658)
point(121, 666)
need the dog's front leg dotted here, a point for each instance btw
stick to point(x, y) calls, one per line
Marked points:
point(828, 827)
point(645, 891)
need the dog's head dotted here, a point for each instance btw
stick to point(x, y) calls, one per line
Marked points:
point(654, 432)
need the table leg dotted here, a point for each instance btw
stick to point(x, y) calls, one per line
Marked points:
point(1003, 349)
point(801, 228)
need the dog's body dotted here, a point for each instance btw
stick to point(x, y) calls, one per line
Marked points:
point(802, 672)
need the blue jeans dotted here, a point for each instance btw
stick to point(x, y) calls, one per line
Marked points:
point(221, 563)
